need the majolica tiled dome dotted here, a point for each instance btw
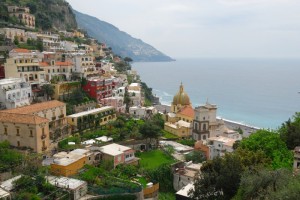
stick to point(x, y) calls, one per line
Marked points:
point(181, 97)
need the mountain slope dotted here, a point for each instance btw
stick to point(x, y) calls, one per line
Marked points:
point(121, 43)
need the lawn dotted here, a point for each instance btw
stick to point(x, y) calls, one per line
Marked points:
point(155, 158)
point(169, 135)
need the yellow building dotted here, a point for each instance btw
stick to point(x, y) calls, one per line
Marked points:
point(62, 90)
point(103, 115)
point(67, 164)
point(54, 111)
point(25, 130)
point(178, 121)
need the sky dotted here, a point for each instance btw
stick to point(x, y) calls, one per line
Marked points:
point(206, 28)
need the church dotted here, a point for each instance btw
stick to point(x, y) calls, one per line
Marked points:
point(179, 120)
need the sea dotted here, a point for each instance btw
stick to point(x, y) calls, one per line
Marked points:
point(258, 92)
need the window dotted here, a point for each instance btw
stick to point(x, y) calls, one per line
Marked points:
point(5, 131)
point(18, 132)
point(31, 133)
point(19, 144)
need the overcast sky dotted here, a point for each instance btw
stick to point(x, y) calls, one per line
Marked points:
point(206, 28)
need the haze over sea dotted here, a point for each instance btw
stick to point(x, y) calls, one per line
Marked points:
point(258, 92)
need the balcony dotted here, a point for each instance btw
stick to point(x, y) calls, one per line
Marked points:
point(43, 137)
point(44, 148)
point(61, 116)
point(53, 118)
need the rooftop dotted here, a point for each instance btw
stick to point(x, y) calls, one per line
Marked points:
point(65, 159)
point(3, 193)
point(114, 149)
point(187, 111)
point(35, 107)
point(21, 118)
point(19, 50)
point(185, 190)
point(8, 184)
point(64, 182)
point(97, 110)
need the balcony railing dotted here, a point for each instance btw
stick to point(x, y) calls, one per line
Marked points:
point(61, 116)
point(43, 136)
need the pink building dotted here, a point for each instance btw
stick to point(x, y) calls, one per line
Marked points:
point(116, 102)
point(119, 154)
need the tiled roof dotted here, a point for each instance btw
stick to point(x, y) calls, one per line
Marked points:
point(187, 111)
point(43, 64)
point(19, 50)
point(63, 63)
point(21, 118)
point(35, 107)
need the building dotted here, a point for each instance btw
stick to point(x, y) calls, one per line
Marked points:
point(14, 92)
point(64, 89)
point(179, 128)
point(57, 70)
point(142, 112)
point(23, 15)
point(82, 120)
point(296, 164)
point(77, 188)
point(12, 33)
point(116, 102)
point(51, 42)
point(205, 122)
point(24, 64)
point(118, 154)
point(25, 131)
point(179, 120)
point(99, 88)
point(183, 194)
point(84, 66)
point(184, 173)
point(52, 111)
point(67, 164)
point(218, 146)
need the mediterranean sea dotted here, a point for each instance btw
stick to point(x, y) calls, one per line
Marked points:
point(258, 92)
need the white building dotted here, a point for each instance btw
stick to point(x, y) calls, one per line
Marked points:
point(142, 112)
point(184, 174)
point(14, 92)
point(77, 188)
point(84, 66)
point(218, 146)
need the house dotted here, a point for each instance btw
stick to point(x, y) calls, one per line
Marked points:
point(22, 14)
point(25, 131)
point(14, 92)
point(83, 119)
point(99, 88)
point(84, 66)
point(57, 70)
point(25, 64)
point(52, 111)
point(116, 102)
point(142, 112)
point(67, 164)
point(180, 128)
point(12, 33)
point(296, 164)
point(183, 193)
point(218, 146)
point(119, 154)
point(77, 188)
point(184, 173)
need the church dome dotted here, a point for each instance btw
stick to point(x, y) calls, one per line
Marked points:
point(181, 97)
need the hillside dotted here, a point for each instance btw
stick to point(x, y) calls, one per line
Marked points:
point(122, 43)
point(49, 14)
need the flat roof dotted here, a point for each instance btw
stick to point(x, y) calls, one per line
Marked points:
point(64, 158)
point(64, 182)
point(96, 110)
point(185, 190)
point(3, 193)
point(104, 139)
point(8, 184)
point(114, 149)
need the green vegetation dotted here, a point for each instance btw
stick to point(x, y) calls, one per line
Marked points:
point(195, 157)
point(155, 158)
point(188, 142)
point(48, 14)
point(148, 94)
point(9, 158)
point(290, 132)
point(168, 135)
point(166, 196)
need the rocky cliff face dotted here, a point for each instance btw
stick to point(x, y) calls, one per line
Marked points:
point(120, 42)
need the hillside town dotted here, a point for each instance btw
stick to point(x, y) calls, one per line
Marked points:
point(77, 122)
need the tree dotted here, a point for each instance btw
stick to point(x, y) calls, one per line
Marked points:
point(266, 184)
point(48, 90)
point(195, 157)
point(290, 132)
point(16, 40)
point(271, 144)
point(219, 178)
point(128, 59)
point(150, 130)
